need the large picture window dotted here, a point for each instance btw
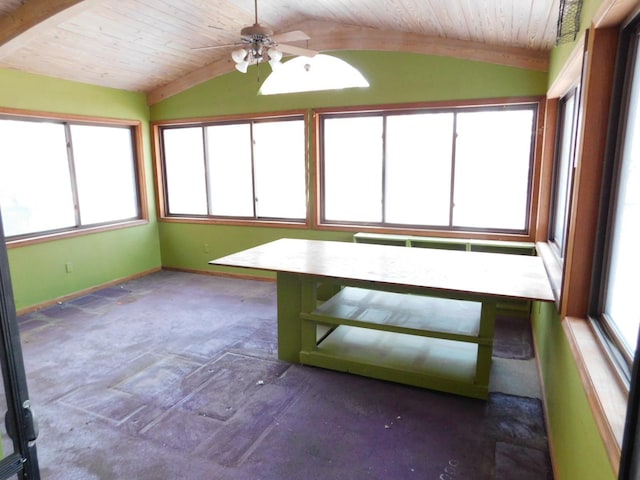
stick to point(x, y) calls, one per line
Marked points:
point(62, 175)
point(251, 169)
point(463, 168)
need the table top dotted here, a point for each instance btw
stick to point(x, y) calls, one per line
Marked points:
point(491, 274)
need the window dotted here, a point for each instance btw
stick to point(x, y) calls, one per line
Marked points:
point(464, 168)
point(563, 171)
point(615, 304)
point(60, 176)
point(247, 169)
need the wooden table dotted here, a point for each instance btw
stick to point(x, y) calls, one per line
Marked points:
point(418, 316)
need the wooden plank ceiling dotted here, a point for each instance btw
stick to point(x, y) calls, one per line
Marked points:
point(148, 45)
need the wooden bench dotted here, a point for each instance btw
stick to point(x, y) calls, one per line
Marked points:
point(466, 244)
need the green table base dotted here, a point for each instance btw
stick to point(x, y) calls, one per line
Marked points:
point(381, 335)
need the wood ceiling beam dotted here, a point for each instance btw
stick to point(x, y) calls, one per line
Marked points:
point(219, 66)
point(326, 36)
point(33, 17)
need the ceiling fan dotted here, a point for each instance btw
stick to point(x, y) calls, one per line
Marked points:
point(259, 44)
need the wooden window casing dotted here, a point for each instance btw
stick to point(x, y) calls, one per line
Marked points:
point(209, 217)
point(138, 172)
point(528, 233)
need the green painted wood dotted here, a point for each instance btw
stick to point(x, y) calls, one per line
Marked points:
point(514, 249)
point(322, 331)
point(444, 318)
point(308, 303)
point(454, 361)
point(334, 321)
point(493, 246)
point(366, 352)
point(373, 342)
point(487, 329)
point(514, 308)
point(400, 241)
point(371, 336)
point(289, 293)
point(442, 245)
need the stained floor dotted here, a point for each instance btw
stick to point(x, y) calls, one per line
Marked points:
point(175, 376)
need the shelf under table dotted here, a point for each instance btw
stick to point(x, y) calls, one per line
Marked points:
point(416, 312)
point(421, 361)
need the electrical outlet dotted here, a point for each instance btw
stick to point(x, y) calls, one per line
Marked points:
point(68, 267)
point(205, 248)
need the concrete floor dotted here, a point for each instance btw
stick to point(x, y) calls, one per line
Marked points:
point(175, 376)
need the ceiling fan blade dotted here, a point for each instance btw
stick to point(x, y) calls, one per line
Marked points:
point(294, 36)
point(218, 46)
point(305, 52)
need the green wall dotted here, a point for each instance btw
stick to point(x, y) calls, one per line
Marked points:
point(38, 271)
point(578, 449)
point(191, 246)
point(393, 78)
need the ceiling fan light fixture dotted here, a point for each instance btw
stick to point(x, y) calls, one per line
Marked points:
point(239, 55)
point(242, 66)
point(275, 56)
point(261, 45)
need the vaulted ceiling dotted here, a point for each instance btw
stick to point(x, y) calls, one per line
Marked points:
point(149, 45)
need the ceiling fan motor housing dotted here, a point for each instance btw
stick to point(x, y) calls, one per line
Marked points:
point(257, 33)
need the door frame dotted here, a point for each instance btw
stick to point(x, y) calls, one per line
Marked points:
point(19, 420)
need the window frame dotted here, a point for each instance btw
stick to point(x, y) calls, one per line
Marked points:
point(527, 234)
point(627, 57)
point(157, 128)
point(604, 387)
point(137, 152)
point(574, 94)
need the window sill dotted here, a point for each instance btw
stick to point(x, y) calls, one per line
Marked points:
point(236, 222)
point(23, 242)
point(605, 390)
point(553, 266)
point(461, 234)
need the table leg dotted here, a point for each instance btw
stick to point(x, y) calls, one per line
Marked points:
point(296, 294)
point(289, 306)
point(308, 329)
point(487, 330)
